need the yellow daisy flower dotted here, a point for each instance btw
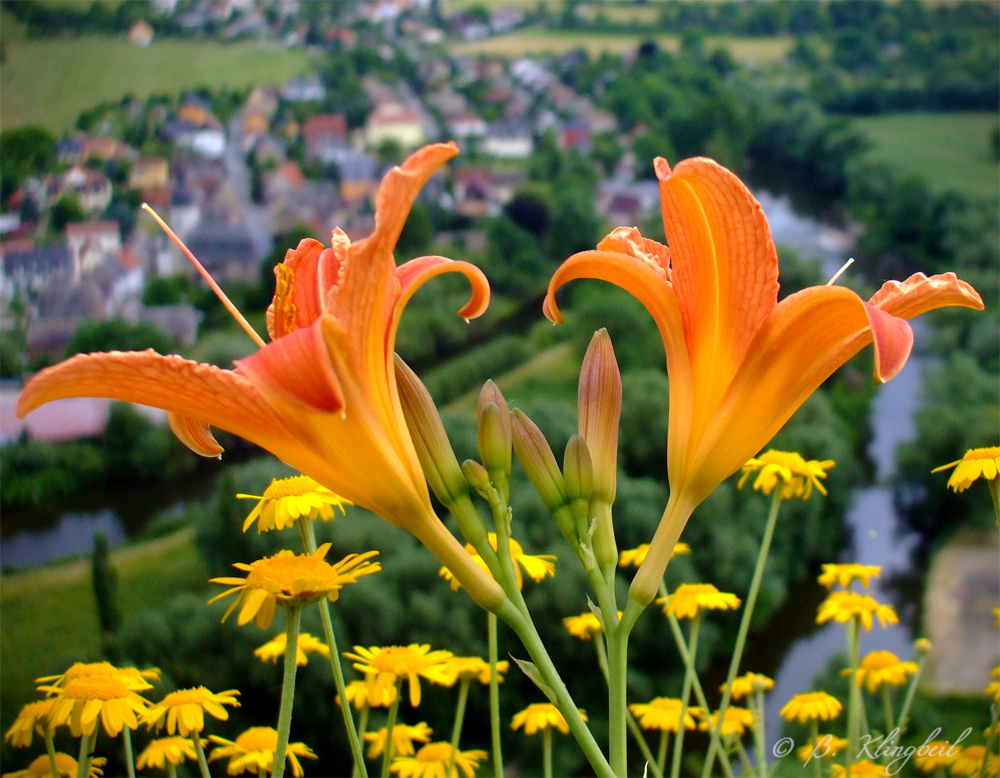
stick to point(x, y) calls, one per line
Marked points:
point(745, 685)
point(737, 721)
point(357, 695)
point(184, 710)
point(881, 667)
point(689, 599)
point(812, 706)
point(664, 713)
point(584, 626)
point(796, 476)
point(993, 689)
point(167, 750)
point(846, 574)
point(136, 680)
point(465, 668)
point(970, 761)
point(253, 752)
point(936, 755)
point(68, 767)
point(540, 716)
point(288, 499)
point(636, 556)
point(977, 462)
point(841, 606)
point(382, 666)
point(291, 579)
point(829, 747)
point(537, 567)
point(32, 718)
point(432, 761)
point(84, 700)
point(402, 739)
point(274, 649)
point(862, 769)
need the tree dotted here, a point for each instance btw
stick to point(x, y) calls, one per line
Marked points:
point(67, 209)
point(27, 151)
point(118, 335)
point(104, 578)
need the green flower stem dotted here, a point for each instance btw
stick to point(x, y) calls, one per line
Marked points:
point(547, 752)
point(362, 726)
point(617, 693)
point(734, 665)
point(747, 767)
point(293, 617)
point(456, 730)
point(989, 741)
point(129, 763)
point(308, 534)
point(675, 767)
point(491, 619)
point(887, 707)
point(171, 770)
point(854, 701)
point(602, 661)
point(814, 727)
point(661, 753)
point(760, 734)
point(87, 744)
point(994, 485)
point(200, 751)
point(50, 749)
point(390, 725)
point(904, 714)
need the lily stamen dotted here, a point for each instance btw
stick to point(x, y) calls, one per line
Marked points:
point(208, 278)
point(840, 272)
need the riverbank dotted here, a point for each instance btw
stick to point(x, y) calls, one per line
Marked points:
point(50, 616)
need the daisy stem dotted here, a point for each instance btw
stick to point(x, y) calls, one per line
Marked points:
point(362, 726)
point(390, 725)
point(887, 706)
point(617, 693)
point(675, 766)
point(661, 754)
point(87, 744)
point(994, 485)
point(202, 762)
point(747, 767)
point(547, 752)
point(734, 665)
point(817, 767)
point(993, 733)
point(309, 542)
point(50, 749)
point(491, 619)
point(456, 730)
point(656, 768)
point(854, 702)
point(293, 614)
point(759, 734)
point(171, 770)
point(129, 764)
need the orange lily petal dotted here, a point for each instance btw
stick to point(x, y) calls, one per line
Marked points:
point(919, 294)
point(194, 434)
point(315, 272)
point(204, 393)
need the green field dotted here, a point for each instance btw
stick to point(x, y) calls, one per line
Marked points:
point(50, 81)
point(950, 150)
point(50, 616)
point(530, 42)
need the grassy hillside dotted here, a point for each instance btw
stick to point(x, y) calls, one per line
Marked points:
point(951, 150)
point(49, 81)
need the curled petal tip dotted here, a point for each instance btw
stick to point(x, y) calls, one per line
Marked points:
point(551, 310)
point(662, 168)
point(194, 434)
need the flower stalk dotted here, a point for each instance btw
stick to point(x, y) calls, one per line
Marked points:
point(854, 710)
point(814, 726)
point(456, 730)
point(491, 619)
point(734, 665)
point(50, 749)
point(293, 616)
point(675, 767)
point(547, 752)
point(200, 751)
point(390, 725)
point(129, 762)
point(87, 744)
point(760, 734)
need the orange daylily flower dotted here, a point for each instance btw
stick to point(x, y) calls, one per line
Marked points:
point(321, 396)
point(740, 362)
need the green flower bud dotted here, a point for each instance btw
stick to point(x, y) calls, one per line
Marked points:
point(495, 437)
point(477, 477)
point(539, 463)
point(599, 404)
point(577, 469)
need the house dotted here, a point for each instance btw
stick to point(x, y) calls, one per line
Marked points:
point(226, 251)
point(103, 147)
point(269, 150)
point(90, 243)
point(324, 136)
point(396, 123)
point(467, 126)
point(91, 189)
point(508, 141)
point(472, 192)
point(141, 34)
point(70, 150)
point(357, 177)
point(148, 172)
point(179, 321)
point(304, 90)
point(27, 269)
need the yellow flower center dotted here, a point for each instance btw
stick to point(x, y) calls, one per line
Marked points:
point(187, 697)
point(295, 486)
point(278, 574)
point(400, 660)
point(258, 739)
point(880, 660)
point(982, 453)
point(96, 687)
point(435, 752)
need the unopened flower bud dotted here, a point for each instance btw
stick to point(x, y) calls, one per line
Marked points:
point(539, 463)
point(577, 469)
point(495, 437)
point(922, 646)
point(477, 477)
point(599, 404)
point(437, 459)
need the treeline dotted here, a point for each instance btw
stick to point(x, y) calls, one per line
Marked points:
point(97, 17)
